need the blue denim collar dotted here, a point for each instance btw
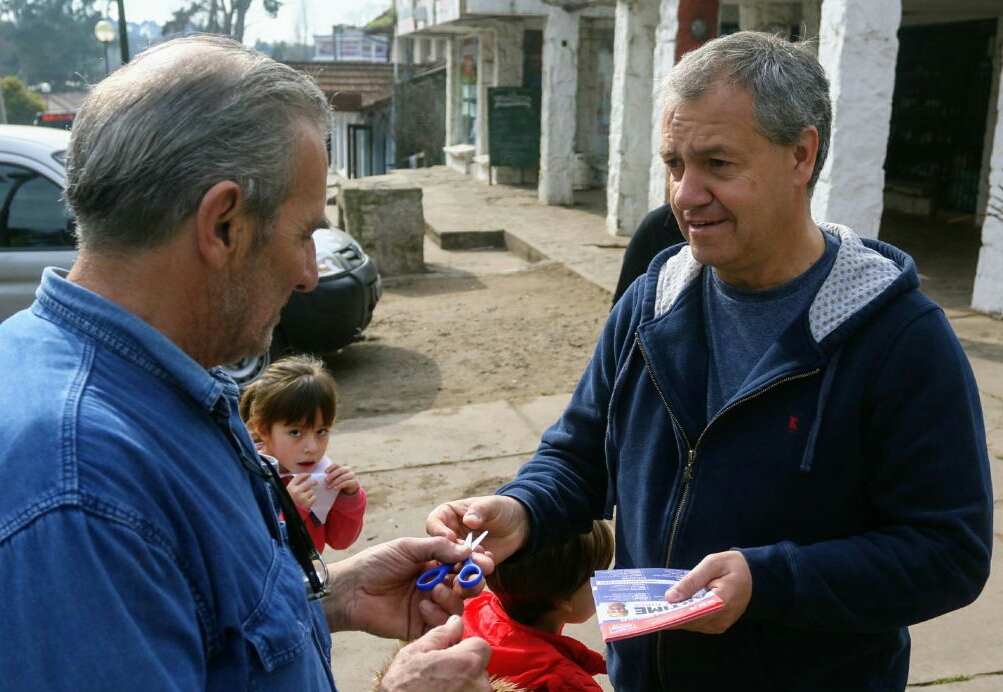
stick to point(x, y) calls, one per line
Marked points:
point(114, 328)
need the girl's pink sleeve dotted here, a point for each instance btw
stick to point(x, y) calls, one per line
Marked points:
point(344, 521)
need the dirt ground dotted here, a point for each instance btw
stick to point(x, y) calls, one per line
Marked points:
point(478, 326)
point(484, 325)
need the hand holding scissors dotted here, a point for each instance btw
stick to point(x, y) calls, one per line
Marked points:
point(470, 574)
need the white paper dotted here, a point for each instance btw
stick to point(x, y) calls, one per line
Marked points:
point(325, 497)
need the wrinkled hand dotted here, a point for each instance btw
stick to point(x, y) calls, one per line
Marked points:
point(341, 477)
point(440, 662)
point(302, 489)
point(374, 591)
point(728, 575)
point(505, 519)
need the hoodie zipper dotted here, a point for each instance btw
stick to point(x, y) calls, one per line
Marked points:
point(691, 455)
point(691, 458)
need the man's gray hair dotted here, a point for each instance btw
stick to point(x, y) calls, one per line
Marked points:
point(789, 89)
point(155, 135)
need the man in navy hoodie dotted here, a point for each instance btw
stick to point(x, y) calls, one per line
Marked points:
point(774, 406)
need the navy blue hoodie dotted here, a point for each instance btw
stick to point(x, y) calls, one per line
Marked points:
point(851, 471)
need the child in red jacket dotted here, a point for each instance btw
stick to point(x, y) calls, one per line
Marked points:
point(530, 600)
point(289, 411)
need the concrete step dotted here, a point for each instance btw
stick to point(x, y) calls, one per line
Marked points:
point(475, 239)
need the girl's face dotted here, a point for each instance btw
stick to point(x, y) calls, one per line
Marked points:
point(297, 446)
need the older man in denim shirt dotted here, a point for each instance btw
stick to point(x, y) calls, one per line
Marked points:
point(141, 545)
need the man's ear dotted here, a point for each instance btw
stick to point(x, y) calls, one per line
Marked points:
point(221, 224)
point(805, 153)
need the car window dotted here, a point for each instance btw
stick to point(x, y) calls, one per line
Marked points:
point(33, 214)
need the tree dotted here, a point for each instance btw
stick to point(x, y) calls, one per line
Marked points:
point(285, 52)
point(21, 105)
point(215, 16)
point(50, 41)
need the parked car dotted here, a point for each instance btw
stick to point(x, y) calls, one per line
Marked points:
point(36, 231)
point(330, 316)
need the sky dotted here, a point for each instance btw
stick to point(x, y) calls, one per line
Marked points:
point(297, 20)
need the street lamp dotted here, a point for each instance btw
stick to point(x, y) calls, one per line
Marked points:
point(104, 31)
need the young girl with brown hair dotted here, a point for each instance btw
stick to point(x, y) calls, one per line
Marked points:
point(290, 411)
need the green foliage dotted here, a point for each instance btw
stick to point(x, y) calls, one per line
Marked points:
point(214, 17)
point(279, 51)
point(20, 103)
point(285, 52)
point(948, 681)
point(385, 22)
point(50, 41)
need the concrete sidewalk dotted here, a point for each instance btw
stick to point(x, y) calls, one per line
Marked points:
point(453, 453)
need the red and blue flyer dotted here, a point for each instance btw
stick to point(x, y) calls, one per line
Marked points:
point(631, 602)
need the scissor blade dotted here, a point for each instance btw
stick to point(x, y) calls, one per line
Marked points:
point(477, 542)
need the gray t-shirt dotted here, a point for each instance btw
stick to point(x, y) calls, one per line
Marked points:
point(741, 325)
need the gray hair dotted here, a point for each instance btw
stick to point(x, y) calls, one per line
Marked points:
point(789, 89)
point(155, 135)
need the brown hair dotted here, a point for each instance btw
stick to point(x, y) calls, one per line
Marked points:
point(528, 584)
point(290, 390)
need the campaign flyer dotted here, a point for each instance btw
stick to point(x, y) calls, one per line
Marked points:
point(631, 602)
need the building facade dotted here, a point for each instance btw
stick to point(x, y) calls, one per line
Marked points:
point(915, 86)
point(350, 44)
point(361, 141)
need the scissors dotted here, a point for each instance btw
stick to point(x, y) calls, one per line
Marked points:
point(470, 574)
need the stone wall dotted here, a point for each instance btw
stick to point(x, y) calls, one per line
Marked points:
point(386, 218)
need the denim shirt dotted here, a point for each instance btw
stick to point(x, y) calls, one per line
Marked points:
point(138, 547)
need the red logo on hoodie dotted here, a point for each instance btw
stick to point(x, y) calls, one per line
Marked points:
point(792, 424)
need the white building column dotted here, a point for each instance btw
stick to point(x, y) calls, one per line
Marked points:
point(858, 48)
point(664, 59)
point(420, 54)
point(398, 52)
point(630, 145)
point(557, 109)
point(485, 79)
point(453, 105)
point(987, 294)
point(508, 53)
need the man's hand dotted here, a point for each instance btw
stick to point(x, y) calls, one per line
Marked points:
point(728, 575)
point(440, 662)
point(504, 518)
point(374, 591)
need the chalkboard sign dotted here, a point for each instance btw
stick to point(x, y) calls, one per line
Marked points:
point(514, 126)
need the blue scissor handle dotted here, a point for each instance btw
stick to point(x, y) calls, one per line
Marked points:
point(430, 577)
point(470, 574)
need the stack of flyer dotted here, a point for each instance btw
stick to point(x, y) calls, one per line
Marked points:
point(631, 602)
